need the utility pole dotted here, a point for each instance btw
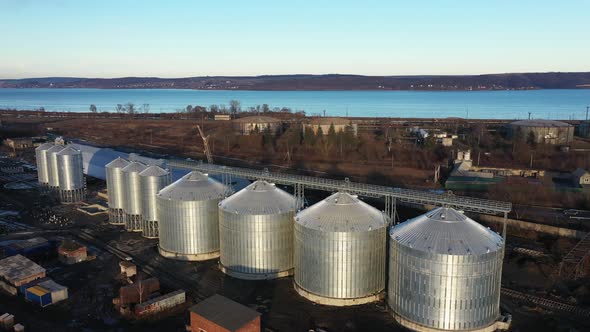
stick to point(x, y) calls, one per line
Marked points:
point(531, 160)
point(478, 155)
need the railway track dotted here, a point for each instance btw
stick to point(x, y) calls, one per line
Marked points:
point(159, 269)
point(546, 303)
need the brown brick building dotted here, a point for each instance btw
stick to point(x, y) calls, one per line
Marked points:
point(220, 314)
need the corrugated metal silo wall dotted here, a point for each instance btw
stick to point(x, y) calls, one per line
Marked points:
point(256, 244)
point(188, 227)
point(342, 265)
point(451, 292)
point(70, 174)
point(52, 169)
point(115, 188)
point(150, 186)
point(42, 171)
point(132, 193)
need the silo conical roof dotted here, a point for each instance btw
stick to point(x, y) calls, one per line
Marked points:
point(117, 163)
point(68, 150)
point(446, 231)
point(134, 167)
point(259, 198)
point(55, 148)
point(154, 171)
point(342, 212)
point(195, 186)
point(44, 146)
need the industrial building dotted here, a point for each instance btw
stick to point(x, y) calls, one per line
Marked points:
point(340, 125)
point(18, 270)
point(581, 177)
point(445, 273)
point(137, 292)
point(46, 292)
point(584, 129)
point(132, 193)
point(160, 303)
point(542, 131)
point(116, 190)
point(256, 232)
point(257, 124)
point(19, 143)
point(71, 182)
point(152, 180)
point(71, 252)
point(42, 162)
point(29, 247)
point(340, 251)
point(220, 314)
point(189, 217)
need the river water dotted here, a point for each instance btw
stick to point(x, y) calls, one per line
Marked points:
point(546, 104)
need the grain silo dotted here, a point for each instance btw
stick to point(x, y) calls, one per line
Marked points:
point(116, 190)
point(42, 162)
point(444, 273)
point(188, 215)
point(256, 232)
point(52, 167)
point(152, 180)
point(340, 249)
point(132, 193)
point(72, 186)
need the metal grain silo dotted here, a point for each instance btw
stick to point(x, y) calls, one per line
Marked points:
point(340, 249)
point(52, 167)
point(189, 218)
point(132, 193)
point(42, 161)
point(152, 180)
point(72, 186)
point(444, 273)
point(256, 232)
point(116, 190)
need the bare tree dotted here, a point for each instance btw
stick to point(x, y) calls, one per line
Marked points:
point(189, 108)
point(234, 106)
point(120, 108)
point(146, 108)
point(93, 108)
point(130, 107)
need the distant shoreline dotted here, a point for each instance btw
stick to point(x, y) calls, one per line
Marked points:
point(330, 82)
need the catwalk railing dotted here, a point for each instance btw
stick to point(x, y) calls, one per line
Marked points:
point(390, 194)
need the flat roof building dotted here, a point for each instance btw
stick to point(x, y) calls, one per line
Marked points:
point(18, 270)
point(542, 131)
point(257, 124)
point(71, 252)
point(221, 314)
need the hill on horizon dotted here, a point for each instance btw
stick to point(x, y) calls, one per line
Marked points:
point(516, 81)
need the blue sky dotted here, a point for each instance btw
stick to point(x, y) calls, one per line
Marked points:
point(195, 38)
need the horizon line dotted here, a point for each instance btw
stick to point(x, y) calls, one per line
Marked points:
point(300, 74)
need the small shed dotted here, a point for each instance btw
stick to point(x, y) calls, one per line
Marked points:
point(581, 177)
point(71, 252)
point(46, 293)
point(128, 269)
point(218, 313)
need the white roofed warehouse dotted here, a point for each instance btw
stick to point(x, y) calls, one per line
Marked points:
point(542, 131)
